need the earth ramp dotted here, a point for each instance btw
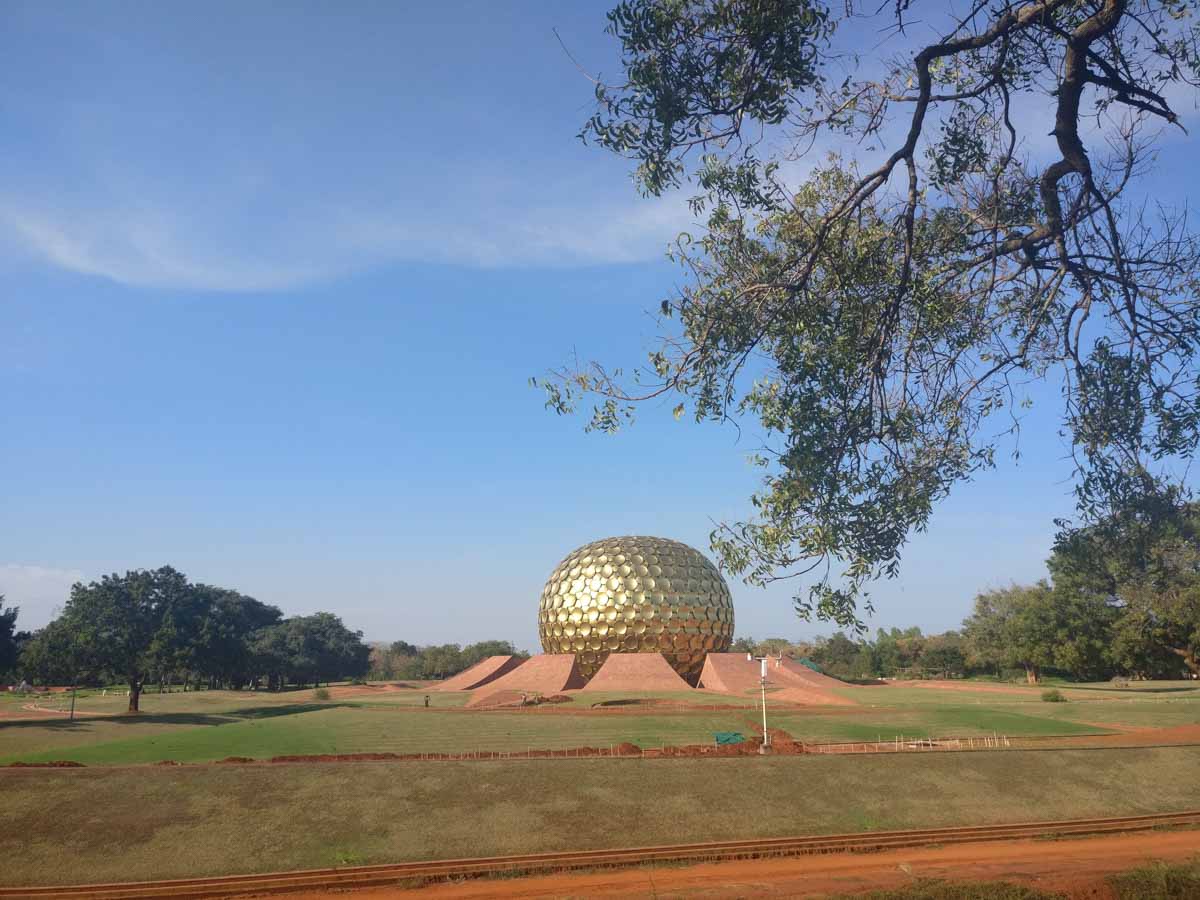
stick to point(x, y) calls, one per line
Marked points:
point(637, 672)
point(483, 672)
point(546, 673)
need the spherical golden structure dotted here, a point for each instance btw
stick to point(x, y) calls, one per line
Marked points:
point(636, 595)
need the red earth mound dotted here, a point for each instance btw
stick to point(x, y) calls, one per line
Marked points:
point(732, 673)
point(546, 673)
point(636, 672)
point(483, 672)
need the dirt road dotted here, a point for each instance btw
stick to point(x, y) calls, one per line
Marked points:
point(1077, 867)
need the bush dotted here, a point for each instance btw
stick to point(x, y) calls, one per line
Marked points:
point(321, 694)
point(1053, 696)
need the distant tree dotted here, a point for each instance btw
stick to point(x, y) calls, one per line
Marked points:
point(223, 647)
point(310, 649)
point(943, 654)
point(125, 623)
point(403, 648)
point(441, 660)
point(1144, 562)
point(1015, 626)
point(838, 655)
point(8, 637)
point(52, 655)
point(745, 644)
point(474, 653)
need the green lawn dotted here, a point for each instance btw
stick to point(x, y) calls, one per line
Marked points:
point(350, 729)
point(210, 725)
point(163, 822)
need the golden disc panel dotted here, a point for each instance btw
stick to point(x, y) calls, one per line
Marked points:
point(636, 594)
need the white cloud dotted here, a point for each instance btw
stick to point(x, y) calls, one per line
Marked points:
point(157, 249)
point(144, 251)
point(40, 591)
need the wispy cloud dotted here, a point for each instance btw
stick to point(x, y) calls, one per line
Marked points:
point(40, 591)
point(146, 250)
point(159, 249)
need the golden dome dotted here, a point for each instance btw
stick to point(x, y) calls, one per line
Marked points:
point(636, 594)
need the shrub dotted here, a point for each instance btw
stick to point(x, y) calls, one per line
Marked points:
point(1053, 696)
point(321, 694)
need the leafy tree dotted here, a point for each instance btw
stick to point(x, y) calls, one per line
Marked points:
point(745, 644)
point(52, 656)
point(838, 655)
point(875, 318)
point(1144, 561)
point(223, 647)
point(1037, 627)
point(441, 660)
point(8, 637)
point(305, 649)
point(129, 623)
point(474, 653)
point(1015, 626)
point(943, 654)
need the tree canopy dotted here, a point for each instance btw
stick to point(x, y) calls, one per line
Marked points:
point(156, 625)
point(880, 311)
point(8, 637)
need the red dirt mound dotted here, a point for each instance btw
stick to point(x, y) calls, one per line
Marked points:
point(483, 672)
point(546, 673)
point(636, 672)
point(732, 673)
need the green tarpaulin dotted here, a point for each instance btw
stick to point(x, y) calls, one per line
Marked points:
point(729, 737)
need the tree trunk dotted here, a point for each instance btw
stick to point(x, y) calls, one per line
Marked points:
point(135, 692)
point(1188, 655)
point(1032, 674)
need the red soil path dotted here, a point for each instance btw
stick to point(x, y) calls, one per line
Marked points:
point(481, 673)
point(1077, 868)
point(546, 673)
point(636, 672)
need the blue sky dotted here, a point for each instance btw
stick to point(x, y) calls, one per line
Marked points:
point(271, 288)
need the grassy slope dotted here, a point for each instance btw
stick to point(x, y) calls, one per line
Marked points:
point(213, 725)
point(357, 730)
point(138, 823)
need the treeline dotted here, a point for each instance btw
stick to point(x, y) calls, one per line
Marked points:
point(400, 660)
point(1123, 600)
point(894, 653)
point(155, 627)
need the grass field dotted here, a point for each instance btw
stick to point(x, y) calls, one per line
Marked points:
point(162, 822)
point(212, 725)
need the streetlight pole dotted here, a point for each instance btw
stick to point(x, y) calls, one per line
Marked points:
point(762, 682)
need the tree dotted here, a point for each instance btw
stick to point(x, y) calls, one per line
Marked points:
point(52, 656)
point(745, 644)
point(838, 655)
point(876, 318)
point(1015, 626)
point(129, 624)
point(8, 637)
point(223, 649)
point(1145, 563)
point(310, 649)
point(943, 654)
point(1039, 627)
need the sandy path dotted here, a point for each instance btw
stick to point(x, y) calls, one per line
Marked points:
point(1077, 867)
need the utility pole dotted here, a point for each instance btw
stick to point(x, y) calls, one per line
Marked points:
point(762, 682)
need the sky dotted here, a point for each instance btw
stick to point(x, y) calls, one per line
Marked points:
point(271, 290)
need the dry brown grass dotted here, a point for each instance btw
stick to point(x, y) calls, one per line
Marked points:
point(144, 823)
